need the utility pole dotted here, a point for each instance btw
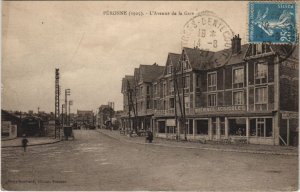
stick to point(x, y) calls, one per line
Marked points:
point(67, 93)
point(175, 101)
point(57, 93)
point(62, 116)
point(70, 103)
point(183, 101)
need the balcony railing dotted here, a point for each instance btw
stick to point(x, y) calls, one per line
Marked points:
point(261, 107)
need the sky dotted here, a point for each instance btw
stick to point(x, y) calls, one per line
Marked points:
point(93, 51)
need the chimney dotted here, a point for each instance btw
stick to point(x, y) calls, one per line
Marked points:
point(236, 44)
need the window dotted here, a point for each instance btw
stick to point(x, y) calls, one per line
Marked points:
point(214, 125)
point(164, 89)
point(237, 127)
point(154, 104)
point(141, 91)
point(187, 101)
point(238, 98)
point(261, 127)
point(238, 78)
point(202, 127)
point(261, 95)
point(261, 71)
point(148, 104)
point(185, 65)
point(148, 89)
point(170, 69)
point(161, 126)
point(186, 82)
point(171, 86)
point(197, 80)
point(190, 126)
point(212, 100)
point(222, 125)
point(155, 88)
point(258, 48)
point(172, 103)
point(212, 81)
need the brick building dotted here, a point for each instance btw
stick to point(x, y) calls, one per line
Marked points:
point(252, 98)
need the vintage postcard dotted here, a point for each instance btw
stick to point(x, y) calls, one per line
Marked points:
point(150, 96)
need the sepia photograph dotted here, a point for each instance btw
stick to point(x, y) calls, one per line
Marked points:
point(150, 96)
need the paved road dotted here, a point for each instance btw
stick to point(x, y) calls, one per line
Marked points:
point(96, 162)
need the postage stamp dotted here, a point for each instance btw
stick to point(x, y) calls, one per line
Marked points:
point(273, 22)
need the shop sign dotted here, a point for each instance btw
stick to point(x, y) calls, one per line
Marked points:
point(170, 122)
point(220, 109)
point(289, 115)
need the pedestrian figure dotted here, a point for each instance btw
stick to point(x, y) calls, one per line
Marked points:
point(149, 137)
point(24, 142)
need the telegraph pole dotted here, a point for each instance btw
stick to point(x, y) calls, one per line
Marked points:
point(67, 92)
point(70, 103)
point(183, 100)
point(57, 93)
point(62, 116)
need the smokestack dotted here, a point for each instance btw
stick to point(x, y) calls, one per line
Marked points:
point(236, 44)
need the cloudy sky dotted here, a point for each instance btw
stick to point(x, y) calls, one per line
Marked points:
point(93, 51)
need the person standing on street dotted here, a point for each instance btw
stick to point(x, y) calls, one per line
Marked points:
point(24, 142)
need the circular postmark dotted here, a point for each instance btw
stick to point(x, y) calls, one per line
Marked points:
point(207, 32)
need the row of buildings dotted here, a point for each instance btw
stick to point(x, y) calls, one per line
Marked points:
point(17, 123)
point(252, 97)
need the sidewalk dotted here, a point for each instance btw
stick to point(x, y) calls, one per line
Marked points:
point(32, 141)
point(241, 148)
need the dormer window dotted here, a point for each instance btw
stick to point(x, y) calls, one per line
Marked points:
point(260, 48)
point(185, 65)
point(170, 69)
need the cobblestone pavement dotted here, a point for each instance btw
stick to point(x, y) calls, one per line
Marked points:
point(94, 161)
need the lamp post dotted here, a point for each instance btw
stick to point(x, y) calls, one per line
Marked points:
point(67, 93)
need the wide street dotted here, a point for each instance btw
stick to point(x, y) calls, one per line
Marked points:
point(94, 161)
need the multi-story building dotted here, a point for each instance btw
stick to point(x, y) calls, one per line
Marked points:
point(252, 97)
point(138, 96)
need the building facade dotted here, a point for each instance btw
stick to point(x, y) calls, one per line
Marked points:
point(84, 119)
point(250, 98)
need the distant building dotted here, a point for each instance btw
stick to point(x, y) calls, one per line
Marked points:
point(11, 125)
point(85, 118)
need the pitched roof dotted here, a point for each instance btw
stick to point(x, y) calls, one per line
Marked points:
point(149, 73)
point(238, 58)
point(125, 80)
point(203, 60)
point(173, 58)
point(198, 58)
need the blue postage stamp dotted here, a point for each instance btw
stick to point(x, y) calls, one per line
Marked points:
point(273, 22)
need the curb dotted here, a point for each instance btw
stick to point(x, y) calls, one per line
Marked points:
point(47, 143)
point(204, 148)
